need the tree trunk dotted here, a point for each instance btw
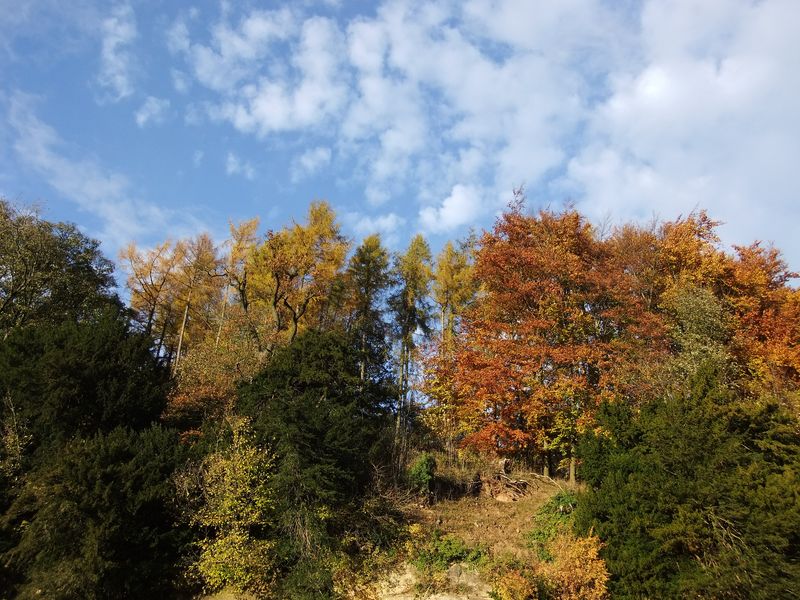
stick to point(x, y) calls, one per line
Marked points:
point(222, 317)
point(572, 464)
point(183, 328)
point(163, 331)
point(363, 357)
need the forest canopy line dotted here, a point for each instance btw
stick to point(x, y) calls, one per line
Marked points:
point(248, 421)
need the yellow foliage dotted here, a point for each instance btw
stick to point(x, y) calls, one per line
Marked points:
point(235, 498)
point(576, 572)
point(513, 584)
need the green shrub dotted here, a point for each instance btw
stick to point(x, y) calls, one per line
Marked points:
point(695, 495)
point(439, 552)
point(422, 472)
point(554, 517)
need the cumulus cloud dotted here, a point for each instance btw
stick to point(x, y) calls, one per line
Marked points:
point(461, 207)
point(310, 161)
point(100, 191)
point(317, 92)
point(154, 110)
point(234, 52)
point(116, 58)
point(705, 120)
point(236, 166)
point(629, 109)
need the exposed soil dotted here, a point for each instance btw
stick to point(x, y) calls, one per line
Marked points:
point(497, 524)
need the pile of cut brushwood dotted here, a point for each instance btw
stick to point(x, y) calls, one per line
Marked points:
point(501, 486)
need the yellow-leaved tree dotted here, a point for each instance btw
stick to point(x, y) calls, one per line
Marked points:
point(235, 502)
point(295, 269)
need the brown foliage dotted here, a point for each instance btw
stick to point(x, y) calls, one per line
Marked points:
point(554, 315)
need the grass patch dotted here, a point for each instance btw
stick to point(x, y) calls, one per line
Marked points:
point(553, 518)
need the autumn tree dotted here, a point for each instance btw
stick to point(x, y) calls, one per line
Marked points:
point(198, 277)
point(539, 343)
point(238, 271)
point(454, 289)
point(235, 510)
point(454, 286)
point(767, 320)
point(411, 311)
point(228, 348)
point(294, 270)
point(151, 279)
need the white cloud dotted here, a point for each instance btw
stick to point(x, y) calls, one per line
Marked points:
point(153, 110)
point(236, 166)
point(388, 225)
point(197, 158)
point(627, 108)
point(100, 191)
point(234, 53)
point(178, 37)
point(116, 59)
point(180, 81)
point(461, 207)
point(310, 161)
point(706, 120)
point(275, 104)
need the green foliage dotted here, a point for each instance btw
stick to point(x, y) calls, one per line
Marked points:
point(81, 378)
point(422, 472)
point(49, 272)
point(696, 495)
point(235, 511)
point(96, 521)
point(410, 303)
point(323, 423)
point(439, 552)
point(368, 280)
point(322, 420)
point(555, 517)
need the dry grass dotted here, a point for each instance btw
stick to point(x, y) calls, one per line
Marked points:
point(497, 526)
point(481, 520)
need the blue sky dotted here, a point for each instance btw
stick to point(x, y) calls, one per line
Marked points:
point(147, 120)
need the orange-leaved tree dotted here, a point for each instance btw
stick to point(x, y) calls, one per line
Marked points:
point(551, 317)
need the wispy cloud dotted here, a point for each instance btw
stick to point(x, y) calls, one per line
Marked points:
point(154, 110)
point(234, 52)
point(116, 58)
point(236, 166)
point(309, 162)
point(388, 225)
point(93, 188)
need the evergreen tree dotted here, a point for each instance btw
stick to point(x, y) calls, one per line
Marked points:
point(368, 278)
point(95, 521)
point(311, 407)
point(79, 378)
point(410, 308)
point(696, 495)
